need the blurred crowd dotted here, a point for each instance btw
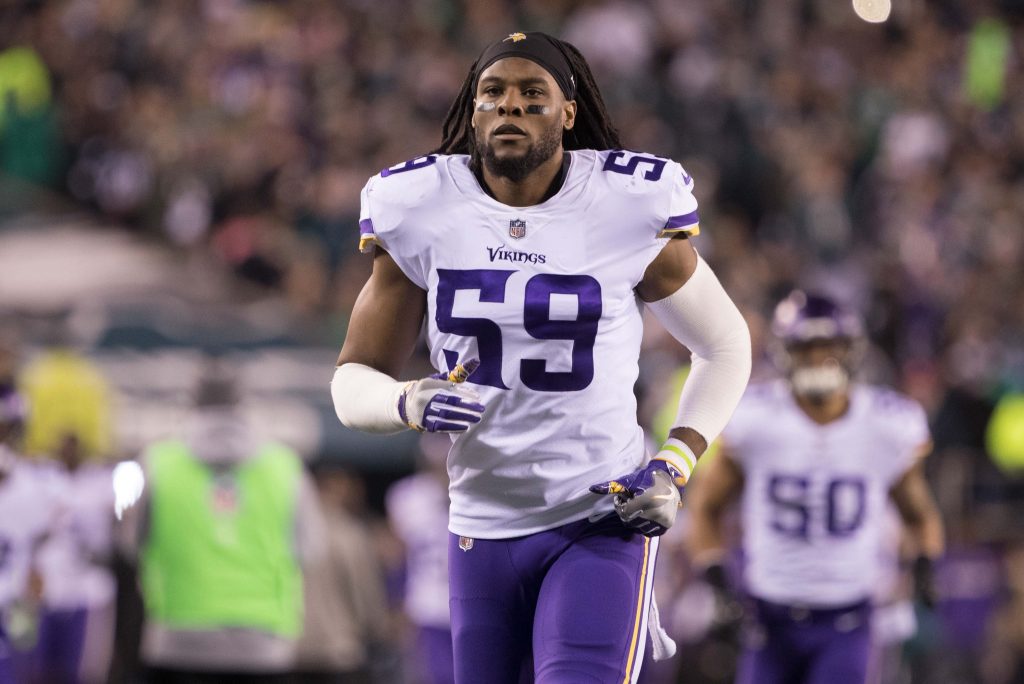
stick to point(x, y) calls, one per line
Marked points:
point(881, 160)
point(883, 164)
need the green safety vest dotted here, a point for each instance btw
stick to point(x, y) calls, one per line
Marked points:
point(222, 556)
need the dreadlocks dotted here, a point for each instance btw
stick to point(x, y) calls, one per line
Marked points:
point(593, 128)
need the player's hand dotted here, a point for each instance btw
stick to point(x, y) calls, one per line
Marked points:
point(441, 403)
point(728, 611)
point(648, 499)
point(925, 592)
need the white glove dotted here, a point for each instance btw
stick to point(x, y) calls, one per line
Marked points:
point(441, 404)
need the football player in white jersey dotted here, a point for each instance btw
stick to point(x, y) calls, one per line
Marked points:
point(77, 582)
point(417, 509)
point(528, 245)
point(26, 517)
point(815, 458)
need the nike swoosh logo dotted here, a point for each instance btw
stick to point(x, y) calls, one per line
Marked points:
point(661, 497)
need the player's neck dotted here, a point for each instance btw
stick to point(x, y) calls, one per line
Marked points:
point(533, 189)
point(827, 409)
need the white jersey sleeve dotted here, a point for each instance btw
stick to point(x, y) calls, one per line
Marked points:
point(388, 217)
point(905, 424)
point(682, 211)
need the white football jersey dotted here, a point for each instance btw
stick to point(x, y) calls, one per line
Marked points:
point(815, 496)
point(71, 558)
point(418, 513)
point(543, 296)
point(26, 515)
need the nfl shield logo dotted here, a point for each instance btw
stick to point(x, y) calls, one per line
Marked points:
point(517, 228)
point(465, 543)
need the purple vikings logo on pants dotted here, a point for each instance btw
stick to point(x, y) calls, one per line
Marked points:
point(517, 228)
point(565, 605)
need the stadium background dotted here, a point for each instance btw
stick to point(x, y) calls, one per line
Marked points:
point(181, 178)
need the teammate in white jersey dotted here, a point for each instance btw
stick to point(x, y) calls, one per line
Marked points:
point(26, 517)
point(417, 509)
point(78, 586)
point(815, 459)
point(530, 243)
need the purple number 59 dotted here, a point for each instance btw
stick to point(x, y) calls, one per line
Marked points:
point(629, 167)
point(537, 321)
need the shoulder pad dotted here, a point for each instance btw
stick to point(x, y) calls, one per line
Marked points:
point(407, 184)
point(890, 401)
point(635, 172)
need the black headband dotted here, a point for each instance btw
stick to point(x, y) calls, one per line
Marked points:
point(537, 47)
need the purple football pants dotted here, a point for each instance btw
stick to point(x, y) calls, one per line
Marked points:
point(564, 606)
point(58, 653)
point(6, 659)
point(434, 649)
point(790, 645)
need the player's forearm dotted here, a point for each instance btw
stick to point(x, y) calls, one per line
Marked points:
point(701, 316)
point(705, 542)
point(926, 530)
point(919, 512)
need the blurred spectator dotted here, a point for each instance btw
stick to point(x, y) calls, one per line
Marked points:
point(70, 400)
point(346, 611)
point(417, 508)
point(29, 134)
point(221, 534)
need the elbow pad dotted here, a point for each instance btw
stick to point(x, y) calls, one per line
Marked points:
point(701, 316)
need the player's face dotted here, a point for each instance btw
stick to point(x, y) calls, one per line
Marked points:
point(519, 116)
point(819, 368)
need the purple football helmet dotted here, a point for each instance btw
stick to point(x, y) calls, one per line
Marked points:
point(802, 320)
point(804, 317)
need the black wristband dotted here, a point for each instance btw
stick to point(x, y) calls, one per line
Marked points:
point(716, 576)
point(923, 571)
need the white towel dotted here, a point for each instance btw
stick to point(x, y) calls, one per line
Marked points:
point(662, 645)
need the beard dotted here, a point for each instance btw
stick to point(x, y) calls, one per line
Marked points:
point(519, 167)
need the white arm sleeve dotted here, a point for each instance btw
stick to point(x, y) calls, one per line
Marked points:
point(702, 316)
point(366, 399)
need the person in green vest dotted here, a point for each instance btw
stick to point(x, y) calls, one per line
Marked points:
point(221, 533)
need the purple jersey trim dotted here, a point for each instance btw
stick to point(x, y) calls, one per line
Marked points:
point(682, 221)
point(365, 227)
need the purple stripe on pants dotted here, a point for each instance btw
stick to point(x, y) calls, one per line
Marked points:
point(572, 601)
point(790, 644)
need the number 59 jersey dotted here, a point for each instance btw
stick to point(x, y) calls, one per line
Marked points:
point(815, 496)
point(543, 296)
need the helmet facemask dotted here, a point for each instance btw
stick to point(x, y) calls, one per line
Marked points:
point(819, 345)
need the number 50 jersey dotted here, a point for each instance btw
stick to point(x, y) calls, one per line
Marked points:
point(814, 499)
point(543, 296)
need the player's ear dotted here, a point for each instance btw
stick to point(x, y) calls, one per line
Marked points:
point(569, 114)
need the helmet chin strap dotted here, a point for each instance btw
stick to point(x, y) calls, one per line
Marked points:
point(818, 382)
